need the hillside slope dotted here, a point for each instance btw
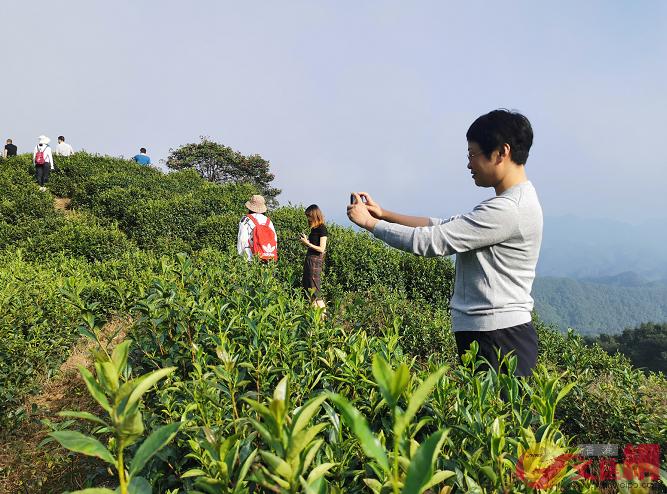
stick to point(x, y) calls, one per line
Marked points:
point(265, 393)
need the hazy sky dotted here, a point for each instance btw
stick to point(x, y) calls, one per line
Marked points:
point(363, 95)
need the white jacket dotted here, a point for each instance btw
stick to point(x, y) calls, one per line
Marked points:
point(244, 239)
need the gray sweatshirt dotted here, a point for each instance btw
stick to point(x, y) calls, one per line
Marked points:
point(496, 245)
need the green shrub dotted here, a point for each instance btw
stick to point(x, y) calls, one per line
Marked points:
point(20, 198)
point(83, 238)
point(36, 328)
point(218, 231)
point(75, 171)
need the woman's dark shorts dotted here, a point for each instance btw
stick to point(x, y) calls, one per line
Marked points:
point(312, 274)
point(521, 339)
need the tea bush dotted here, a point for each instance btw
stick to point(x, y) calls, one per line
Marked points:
point(216, 231)
point(20, 198)
point(36, 328)
point(75, 172)
point(234, 331)
point(376, 386)
point(38, 325)
point(183, 212)
point(83, 238)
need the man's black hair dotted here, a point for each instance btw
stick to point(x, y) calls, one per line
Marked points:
point(500, 127)
point(142, 150)
point(61, 138)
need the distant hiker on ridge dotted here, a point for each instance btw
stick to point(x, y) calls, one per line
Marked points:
point(496, 244)
point(142, 158)
point(42, 158)
point(257, 236)
point(10, 149)
point(63, 148)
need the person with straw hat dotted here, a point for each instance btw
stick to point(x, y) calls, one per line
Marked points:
point(257, 236)
point(42, 158)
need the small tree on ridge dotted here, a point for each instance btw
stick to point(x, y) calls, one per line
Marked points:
point(221, 164)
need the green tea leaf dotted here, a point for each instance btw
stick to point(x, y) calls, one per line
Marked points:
point(79, 443)
point(319, 471)
point(158, 439)
point(94, 388)
point(139, 485)
point(437, 478)
point(400, 382)
point(306, 412)
point(107, 375)
point(280, 393)
point(420, 470)
point(310, 454)
point(565, 391)
point(357, 422)
point(130, 393)
point(417, 400)
point(119, 355)
point(84, 416)
point(245, 468)
point(383, 377)
point(277, 465)
point(193, 472)
point(299, 442)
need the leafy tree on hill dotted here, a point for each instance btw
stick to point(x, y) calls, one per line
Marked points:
point(645, 346)
point(221, 164)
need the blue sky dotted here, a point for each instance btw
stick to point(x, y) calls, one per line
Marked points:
point(351, 95)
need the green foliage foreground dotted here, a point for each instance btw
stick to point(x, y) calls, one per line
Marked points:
point(263, 391)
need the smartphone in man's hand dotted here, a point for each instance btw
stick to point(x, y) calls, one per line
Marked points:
point(352, 199)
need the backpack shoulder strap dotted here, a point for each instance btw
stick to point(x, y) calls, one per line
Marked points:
point(253, 219)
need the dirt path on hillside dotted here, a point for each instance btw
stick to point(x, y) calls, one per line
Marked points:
point(25, 467)
point(62, 204)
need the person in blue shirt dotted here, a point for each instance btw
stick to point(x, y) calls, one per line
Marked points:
point(142, 158)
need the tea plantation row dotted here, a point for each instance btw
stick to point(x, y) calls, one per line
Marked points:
point(238, 336)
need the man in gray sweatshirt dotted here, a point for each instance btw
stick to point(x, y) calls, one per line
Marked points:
point(497, 244)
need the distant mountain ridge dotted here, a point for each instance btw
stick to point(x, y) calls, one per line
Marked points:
point(600, 307)
point(582, 248)
point(627, 279)
point(602, 275)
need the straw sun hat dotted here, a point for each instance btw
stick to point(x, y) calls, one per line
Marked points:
point(256, 204)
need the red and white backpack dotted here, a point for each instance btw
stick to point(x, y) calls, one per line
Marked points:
point(264, 242)
point(39, 157)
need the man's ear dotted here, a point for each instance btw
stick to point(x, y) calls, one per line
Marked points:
point(504, 152)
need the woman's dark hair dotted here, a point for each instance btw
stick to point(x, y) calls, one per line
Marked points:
point(314, 215)
point(142, 150)
point(500, 127)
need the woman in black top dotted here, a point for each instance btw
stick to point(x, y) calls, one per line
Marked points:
point(317, 244)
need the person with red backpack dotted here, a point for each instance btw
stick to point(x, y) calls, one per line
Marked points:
point(257, 237)
point(42, 158)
